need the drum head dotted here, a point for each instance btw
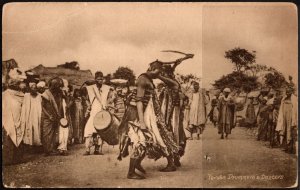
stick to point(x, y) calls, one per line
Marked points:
point(102, 120)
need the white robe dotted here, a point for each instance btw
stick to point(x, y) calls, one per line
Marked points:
point(280, 120)
point(99, 102)
point(11, 115)
point(197, 109)
point(63, 132)
point(31, 119)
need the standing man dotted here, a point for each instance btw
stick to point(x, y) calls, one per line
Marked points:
point(214, 112)
point(97, 95)
point(250, 118)
point(52, 112)
point(171, 107)
point(287, 121)
point(31, 116)
point(64, 127)
point(197, 110)
point(144, 124)
point(227, 113)
point(12, 130)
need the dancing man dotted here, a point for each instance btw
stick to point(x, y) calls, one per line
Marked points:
point(144, 125)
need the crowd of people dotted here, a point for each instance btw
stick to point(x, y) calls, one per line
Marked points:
point(275, 121)
point(156, 124)
point(270, 116)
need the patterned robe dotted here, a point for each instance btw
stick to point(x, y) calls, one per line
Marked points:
point(158, 141)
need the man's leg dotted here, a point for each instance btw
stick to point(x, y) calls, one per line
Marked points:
point(198, 132)
point(98, 145)
point(222, 126)
point(136, 156)
point(88, 144)
point(170, 166)
point(138, 163)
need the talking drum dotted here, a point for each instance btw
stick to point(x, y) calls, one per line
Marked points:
point(106, 126)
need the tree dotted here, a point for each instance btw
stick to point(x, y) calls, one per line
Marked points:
point(237, 81)
point(241, 58)
point(70, 65)
point(125, 73)
point(275, 80)
point(186, 81)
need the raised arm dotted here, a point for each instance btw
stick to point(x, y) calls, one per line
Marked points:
point(171, 82)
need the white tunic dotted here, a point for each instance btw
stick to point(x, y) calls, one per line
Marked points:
point(98, 100)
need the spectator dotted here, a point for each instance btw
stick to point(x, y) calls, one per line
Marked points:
point(12, 130)
point(31, 116)
point(287, 121)
point(77, 116)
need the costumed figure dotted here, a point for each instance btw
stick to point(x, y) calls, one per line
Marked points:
point(143, 125)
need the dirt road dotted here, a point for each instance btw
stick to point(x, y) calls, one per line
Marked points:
point(209, 162)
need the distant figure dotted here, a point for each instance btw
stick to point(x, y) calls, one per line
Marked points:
point(214, 112)
point(250, 118)
point(227, 113)
point(197, 111)
point(263, 119)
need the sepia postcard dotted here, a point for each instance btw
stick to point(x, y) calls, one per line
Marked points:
point(145, 95)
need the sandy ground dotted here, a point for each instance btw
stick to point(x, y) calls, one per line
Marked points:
point(209, 162)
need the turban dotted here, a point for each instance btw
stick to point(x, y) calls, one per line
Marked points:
point(227, 90)
point(41, 84)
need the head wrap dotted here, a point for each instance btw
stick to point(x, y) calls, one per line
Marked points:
point(41, 84)
point(227, 90)
point(156, 65)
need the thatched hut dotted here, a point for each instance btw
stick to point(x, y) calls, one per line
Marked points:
point(75, 77)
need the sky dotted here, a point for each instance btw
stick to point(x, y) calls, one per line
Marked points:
point(104, 36)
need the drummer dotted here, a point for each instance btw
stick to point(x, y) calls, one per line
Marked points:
point(98, 94)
